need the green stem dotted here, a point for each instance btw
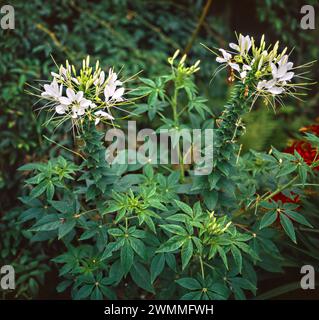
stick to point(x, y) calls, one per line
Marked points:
point(285, 186)
point(202, 267)
point(176, 122)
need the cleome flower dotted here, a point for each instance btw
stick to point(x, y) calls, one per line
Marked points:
point(266, 72)
point(243, 46)
point(84, 95)
point(76, 102)
point(52, 91)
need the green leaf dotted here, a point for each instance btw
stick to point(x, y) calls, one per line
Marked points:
point(65, 228)
point(112, 208)
point(39, 189)
point(187, 253)
point(139, 247)
point(298, 217)
point(63, 206)
point(222, 254)
point(303, 173)
point(157, 266)
point(50, 190)
point(288, 227)
point(50, 226)
point(116, 232)
point(189, 283)
point(184, 207)
point(127, 257)
point(112, 246)
point(97, 294)
point(84, 292)
point(289, 168)
point(237, 257)
point(194, 295)
point(141, 277)
point(174, 228)
point(268, 218)
point(172, 244)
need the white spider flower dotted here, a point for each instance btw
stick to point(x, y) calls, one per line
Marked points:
point(111, 92)
point(76, 102)
point(282, 73)
point(243, 46)
point(102, 114)
point(227, 58)
point(52, 90)
point(270, 86)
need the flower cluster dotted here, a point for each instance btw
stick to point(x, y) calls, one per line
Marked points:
point(88, 93)
point(269, 71)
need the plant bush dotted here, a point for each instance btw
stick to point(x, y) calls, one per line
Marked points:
point(161, 231)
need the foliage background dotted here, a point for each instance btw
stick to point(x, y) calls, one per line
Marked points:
point(138, 35)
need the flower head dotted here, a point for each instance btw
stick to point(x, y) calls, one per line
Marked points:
point(266, 71)
point(84, 95)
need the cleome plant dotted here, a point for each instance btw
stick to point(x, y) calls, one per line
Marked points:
point(159, 231)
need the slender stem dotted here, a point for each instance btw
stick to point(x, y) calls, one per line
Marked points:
point(174, 106)
point(287, 185)
point(198, 26)
point(176, 121)
point(202, 267)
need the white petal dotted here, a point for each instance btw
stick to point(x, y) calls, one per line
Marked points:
point(273, 70)
point(81, 111)
point(70, 93)
point(235, 66)
point(261, 84)
point(227, 56)
point(66, 101)
point(270, 83)
point(79, 96)
point(118, 94)
point(220, 60)
point(84, 103)
point(276, 90)
point(281, 71)
point(234, 46)
point(97, 121)
point(289, 65)
point(243, 74)
point(61, 109)
point(287, 76)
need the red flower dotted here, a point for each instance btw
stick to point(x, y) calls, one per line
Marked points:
point(305, 149)
point(284, 199)
point(314, 128)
